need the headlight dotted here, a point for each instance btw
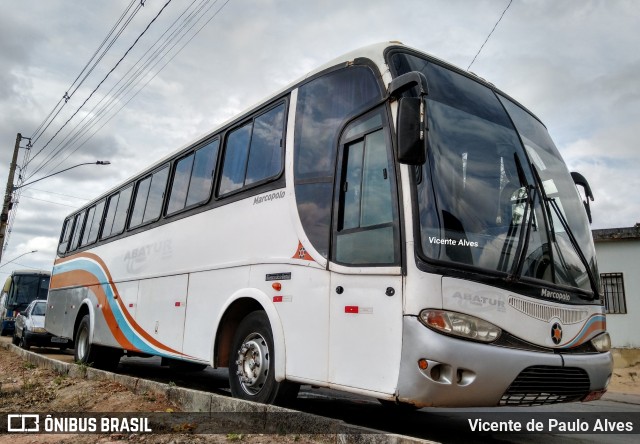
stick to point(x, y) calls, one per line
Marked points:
point(459, 324)
point(38, 330)
point(602, 342)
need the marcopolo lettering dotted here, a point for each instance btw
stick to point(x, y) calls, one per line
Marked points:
point(555, 295)
point(268, 197)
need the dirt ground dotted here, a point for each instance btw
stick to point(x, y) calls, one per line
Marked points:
point(25, 387)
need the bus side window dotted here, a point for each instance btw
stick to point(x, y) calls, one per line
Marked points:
point(149, 197)
point(117, 208)
point(65, 235)
point(90, 217)
point(77, 230)
point(253, 152)
point(193, 177)
point(95, 225)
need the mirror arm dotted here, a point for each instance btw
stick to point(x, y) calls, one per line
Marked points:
point(580, 180)
point(405, 82)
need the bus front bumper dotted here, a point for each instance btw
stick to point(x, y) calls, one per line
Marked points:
point(462, 373)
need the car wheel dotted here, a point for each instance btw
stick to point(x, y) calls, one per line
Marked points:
point(14, 339)
point(24, 342)
point(251, 364)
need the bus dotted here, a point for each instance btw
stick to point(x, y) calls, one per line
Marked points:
point(388, 225)
point(20, 289)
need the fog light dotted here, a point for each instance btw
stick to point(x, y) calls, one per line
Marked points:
point(423, 364)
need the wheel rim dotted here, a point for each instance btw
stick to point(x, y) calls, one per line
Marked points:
point(253, 363)
point(82, 344)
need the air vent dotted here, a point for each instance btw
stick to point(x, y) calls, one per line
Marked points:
point(544, 312)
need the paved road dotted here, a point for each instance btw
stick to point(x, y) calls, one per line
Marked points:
point(443, 425)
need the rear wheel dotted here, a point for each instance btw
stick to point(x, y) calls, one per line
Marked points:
point(15, 340)
point(86, 353)
point(251, 364)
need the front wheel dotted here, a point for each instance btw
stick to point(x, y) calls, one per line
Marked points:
point(251, 364)
point(24, 342)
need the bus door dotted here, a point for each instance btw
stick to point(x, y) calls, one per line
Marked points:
point(366, 280)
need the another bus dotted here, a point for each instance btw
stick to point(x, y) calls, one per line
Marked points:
point(20, 289)
point(388, 225)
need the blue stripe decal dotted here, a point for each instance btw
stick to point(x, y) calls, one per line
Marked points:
point(96, 270)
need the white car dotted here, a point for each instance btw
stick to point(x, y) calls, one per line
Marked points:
point(29, 328)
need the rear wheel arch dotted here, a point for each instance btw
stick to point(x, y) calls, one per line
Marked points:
point(236, 310)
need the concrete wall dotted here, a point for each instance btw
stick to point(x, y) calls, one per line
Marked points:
point(623, 256)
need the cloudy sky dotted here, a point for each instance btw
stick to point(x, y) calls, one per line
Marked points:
point(574, 63)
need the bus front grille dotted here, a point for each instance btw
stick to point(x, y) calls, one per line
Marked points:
point(542, 384)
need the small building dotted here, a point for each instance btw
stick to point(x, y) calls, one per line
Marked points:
point(618, 253)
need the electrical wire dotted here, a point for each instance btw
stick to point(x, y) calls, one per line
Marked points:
point(153, 59)
point(66, 97)
point(93, 116)
point(101, 82)
point(487, 39)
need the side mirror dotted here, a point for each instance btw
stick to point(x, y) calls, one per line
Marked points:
point(411, 117)
point(580, 180)
point(411, 133)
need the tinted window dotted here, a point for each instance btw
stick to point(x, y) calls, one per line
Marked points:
point(192, 178)
point(140, 202)
point(95, 225)
point(64, 237)
point(254, 151)
point(156, 195)
point(149, 197)
point(180, 186)
point(111, 214)
point(265, 157)
point(202, 174)
point(324, 106)
point(365, 229)
point(77, 230)
point(117, 213)
point(85, 235)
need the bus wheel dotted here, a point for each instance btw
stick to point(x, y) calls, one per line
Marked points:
point(105, 358)
point(251, 364)
point(84, 352)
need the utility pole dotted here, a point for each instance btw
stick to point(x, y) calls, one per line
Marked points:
point(7, 204)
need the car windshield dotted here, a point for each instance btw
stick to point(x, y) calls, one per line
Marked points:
point(39, 309)
point(485, 194)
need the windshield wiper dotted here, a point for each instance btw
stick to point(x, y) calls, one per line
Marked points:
point(565, 224)
point(527, 218)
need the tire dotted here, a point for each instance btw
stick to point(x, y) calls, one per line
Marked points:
point(251, 364)
point(14, 339)
point(86, 353)
point(24, 342)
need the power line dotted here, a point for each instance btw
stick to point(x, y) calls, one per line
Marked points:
point(487, 39)
point(66, 97)
point(100, 84)
point(93, 116)
point(131, 81)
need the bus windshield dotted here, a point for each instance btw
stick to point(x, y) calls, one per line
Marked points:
point(26, 288)
point(494, 193)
